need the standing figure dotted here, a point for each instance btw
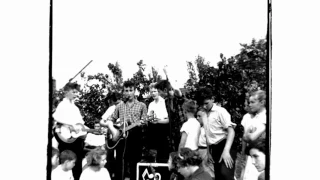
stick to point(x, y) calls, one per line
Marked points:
point(158, 130)
point(220, 133)
point(254, 123)
point(130, 112)
point(67, 116)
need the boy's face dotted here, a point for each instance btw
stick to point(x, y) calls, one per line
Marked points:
point(70, 164)
point(128, 93)
point(207, 104)
point(97, 126)
point(55, 160)
point(258, 159)
point(200, 116)
point(154, 93)
point(71, 94)
point(254, 104)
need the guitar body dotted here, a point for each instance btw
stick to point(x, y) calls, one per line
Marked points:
point(67, 135)
point(114, 141)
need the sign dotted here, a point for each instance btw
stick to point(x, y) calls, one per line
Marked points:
point(152, 171)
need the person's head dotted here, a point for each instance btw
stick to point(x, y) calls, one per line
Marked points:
point(97, 158)
point(257, 152)
point(68, 159)
point(97, 125)
point(205, 98)
point(257, 101)
point(163, 87)
point(173, 160)
point(113, 98)
point(189, 159)
point(71, 90)
point(55, 157)
point(154, 91)
point(189, 108)
point(129, 90)
point(201, 114)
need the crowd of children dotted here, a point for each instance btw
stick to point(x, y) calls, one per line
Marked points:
point(205, 149)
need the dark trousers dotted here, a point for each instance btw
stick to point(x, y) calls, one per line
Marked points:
point(157, 140)
point(220, 169)
point(76, 147)
point(129, 151)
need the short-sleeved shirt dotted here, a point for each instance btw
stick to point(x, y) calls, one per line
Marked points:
point(135, 113)
point(202, 138)
point(216, 124)
point(250, 120)
point(59, 174)
point(159, 108)
point(68, 113)
point(109, 112)
point(95, 139)
point(192, 128)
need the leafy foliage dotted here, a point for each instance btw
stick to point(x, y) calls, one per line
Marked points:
point(232, 79)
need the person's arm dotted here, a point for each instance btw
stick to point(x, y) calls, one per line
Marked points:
point(144, 116)
point(243, 148)
point(183, 140)
point(226, 157)
point(254, 133)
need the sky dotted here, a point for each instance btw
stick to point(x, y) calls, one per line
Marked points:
point(161, 33)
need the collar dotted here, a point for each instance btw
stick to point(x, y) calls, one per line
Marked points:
point(68, 101)
point(214, 107)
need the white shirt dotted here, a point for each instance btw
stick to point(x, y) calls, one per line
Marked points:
point(68, 113)
point(192, 129)
point(89, 174)
point(159, 108)
point(202, 138)
point(216, 124)
point(109, 112)
point(95, 139)
point(59, 174)
point(249, 120)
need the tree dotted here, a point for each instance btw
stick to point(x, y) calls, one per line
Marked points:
point(233, 79)
point(117, 75)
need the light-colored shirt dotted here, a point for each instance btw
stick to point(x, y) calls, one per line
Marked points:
point(88, 174)
point(202, 138)
point(59, 174)
point(109, 112)
point(216, 124)
point(95, 139)
point(68, 113)
point(192, 128)
point(159, 108)
point(250, 120)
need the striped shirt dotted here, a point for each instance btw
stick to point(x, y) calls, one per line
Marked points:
point(135, 113)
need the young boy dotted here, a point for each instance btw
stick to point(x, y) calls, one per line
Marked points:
point(54, 158)
point(64, 170)
point(220, 133)
point(95, 139)
point(207, 162)
point(190, 130)
point(68, 114)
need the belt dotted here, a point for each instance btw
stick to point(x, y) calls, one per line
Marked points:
point(202, 147)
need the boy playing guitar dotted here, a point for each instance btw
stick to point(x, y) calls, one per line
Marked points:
point(69, 124)
point(131, 111)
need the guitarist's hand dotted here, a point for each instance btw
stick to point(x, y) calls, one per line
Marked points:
point(155, 121)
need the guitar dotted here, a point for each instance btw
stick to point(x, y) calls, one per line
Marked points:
point(123, 131)
point(68, 135)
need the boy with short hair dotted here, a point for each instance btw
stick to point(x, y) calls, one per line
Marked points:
point(220, 133)
point(190, 130)
point(64, 170)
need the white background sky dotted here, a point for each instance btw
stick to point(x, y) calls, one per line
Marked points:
point(160, 33)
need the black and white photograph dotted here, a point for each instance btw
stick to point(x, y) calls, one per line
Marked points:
point(182, 85)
